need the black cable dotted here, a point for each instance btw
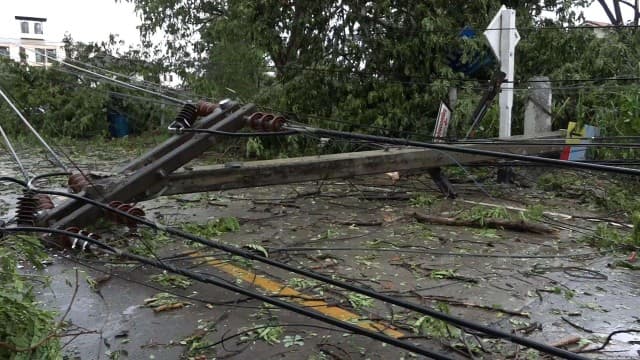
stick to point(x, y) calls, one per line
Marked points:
point(237, 134)
point(431, 252)
point(545, 143)
point(237, 289)
point(326, 279)
point(14, 154)
point(467, 150)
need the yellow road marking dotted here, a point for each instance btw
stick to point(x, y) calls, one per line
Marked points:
point(284, 291)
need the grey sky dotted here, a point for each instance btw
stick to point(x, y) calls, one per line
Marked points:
point(94, 20)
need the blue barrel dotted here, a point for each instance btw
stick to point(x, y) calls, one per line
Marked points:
point(118, 125)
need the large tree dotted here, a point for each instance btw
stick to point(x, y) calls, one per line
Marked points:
point(384, 64)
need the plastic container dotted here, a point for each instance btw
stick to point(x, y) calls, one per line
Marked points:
point(118, 125)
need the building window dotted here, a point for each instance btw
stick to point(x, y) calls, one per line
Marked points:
point(24, 27)
point(171, 78)
point(23, 54)
point(37, 28)
point(51, 54)
point(164, 77)
point(40, 56)
point(4, 51)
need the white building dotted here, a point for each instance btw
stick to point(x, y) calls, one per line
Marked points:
point(170, 79)
point(27, 42)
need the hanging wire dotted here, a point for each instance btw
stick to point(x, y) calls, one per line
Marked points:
point(34, 131)
point(115, 81)
point(14, 154)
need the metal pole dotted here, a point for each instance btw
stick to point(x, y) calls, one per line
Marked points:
point(26, 122)
point(508, 41)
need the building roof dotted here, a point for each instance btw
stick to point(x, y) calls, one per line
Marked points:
point(29, 18)
point(595, 23)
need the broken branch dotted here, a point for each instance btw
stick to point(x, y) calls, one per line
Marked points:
point(520, 225)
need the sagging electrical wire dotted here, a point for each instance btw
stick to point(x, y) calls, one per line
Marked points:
point(237, 289)
point(236, 134)
point(109, 79)
point(326, 279)
point(461, 149)
point(34, 131)
point(14, 154)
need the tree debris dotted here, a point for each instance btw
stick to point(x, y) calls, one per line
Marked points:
point(519, 225)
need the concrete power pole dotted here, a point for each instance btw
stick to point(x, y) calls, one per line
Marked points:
point(503, 38)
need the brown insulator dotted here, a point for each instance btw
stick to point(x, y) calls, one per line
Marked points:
point(44, 202)
point(254, 120)
point(137, 212)
point(129, 209)
point(205, 108)
point(78, 182)
point(27, 208)
point(112, 216)
point(185, 118)
point(265, 122)
point(275, 124)
point(74, 243)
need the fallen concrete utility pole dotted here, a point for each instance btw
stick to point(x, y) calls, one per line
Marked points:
point(335, 166)
point(159, 163)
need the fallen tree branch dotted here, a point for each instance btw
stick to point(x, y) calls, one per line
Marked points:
point(455, 302)
point(358, 223)
point(520, 225)
point(566, 341)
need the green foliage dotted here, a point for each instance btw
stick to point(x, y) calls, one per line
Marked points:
point(533, 213)
point(359, 301)
point(269, 333)
point(429, 326)
point(443, 274)
point(62, 103)
point(607, 237)
point(422, 200)
point(481, 213)
point(619, 199)
point(172, 280)
point(301, 284)
point(149, 242)
point(24, 323)
point(213, 228)
point(555, 182)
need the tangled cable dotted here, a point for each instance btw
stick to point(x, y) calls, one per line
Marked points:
point(320, 277)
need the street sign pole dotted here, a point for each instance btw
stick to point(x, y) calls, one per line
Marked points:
point(503, 38)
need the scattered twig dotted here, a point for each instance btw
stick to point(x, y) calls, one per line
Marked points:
point(357, 223)
point(455, 302)
point(566, 341)
point(576, 325)
point(520, 225)
point(608, 340)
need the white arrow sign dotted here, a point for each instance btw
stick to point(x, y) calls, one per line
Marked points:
point(503, 38)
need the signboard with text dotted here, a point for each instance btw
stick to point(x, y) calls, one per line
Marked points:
point(442, 123)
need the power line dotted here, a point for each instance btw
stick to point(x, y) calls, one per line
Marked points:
point(14, 154)
point(115, 81)
point(314, 275)
point(34, 131)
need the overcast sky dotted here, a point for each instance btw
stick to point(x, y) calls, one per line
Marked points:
point(94, 20)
